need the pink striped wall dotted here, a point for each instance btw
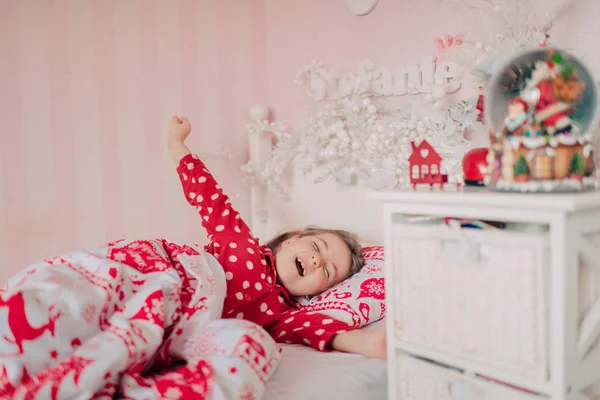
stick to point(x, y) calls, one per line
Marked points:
point(86, 91)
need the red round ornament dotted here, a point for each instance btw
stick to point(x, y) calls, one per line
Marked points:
point(474, 164)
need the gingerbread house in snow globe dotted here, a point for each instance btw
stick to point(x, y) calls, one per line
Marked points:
point(541, 109)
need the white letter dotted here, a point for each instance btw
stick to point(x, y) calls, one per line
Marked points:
point(317, 88)
point(383, 83)
point(399, 81)
point(427, 71)
point(346, 85)
point(414, 78)
point(446, 72)
point(332, 86)
point(364, 74)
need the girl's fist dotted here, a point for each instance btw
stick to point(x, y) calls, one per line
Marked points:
point(180, 128)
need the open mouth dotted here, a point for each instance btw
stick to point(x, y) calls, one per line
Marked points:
point(300, 266)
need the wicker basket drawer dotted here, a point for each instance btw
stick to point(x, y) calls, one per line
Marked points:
point(422, 380)
point(474, 294)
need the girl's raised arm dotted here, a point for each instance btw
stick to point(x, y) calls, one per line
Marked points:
point(201, 189)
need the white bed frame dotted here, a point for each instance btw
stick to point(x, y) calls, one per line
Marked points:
point(325, 204)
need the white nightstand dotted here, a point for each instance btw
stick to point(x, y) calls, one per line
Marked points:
point(546, 297)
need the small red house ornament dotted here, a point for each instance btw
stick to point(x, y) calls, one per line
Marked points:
point(425, 165)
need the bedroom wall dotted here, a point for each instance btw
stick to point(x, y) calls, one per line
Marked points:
point(86, 91)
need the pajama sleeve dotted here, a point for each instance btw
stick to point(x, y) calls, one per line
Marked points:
point(201, 191)
point(231, 242)
point(308, 328)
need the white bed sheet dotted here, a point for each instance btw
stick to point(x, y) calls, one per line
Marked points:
point(306, 374)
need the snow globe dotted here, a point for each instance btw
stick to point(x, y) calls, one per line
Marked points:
point(541, 108)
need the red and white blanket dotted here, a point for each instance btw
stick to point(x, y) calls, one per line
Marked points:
point(135, 320)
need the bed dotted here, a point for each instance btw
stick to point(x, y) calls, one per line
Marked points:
point(304, 373)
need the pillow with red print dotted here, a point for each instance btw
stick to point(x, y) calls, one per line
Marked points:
point(360, 299)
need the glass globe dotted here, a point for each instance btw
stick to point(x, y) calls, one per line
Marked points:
point(541, 108)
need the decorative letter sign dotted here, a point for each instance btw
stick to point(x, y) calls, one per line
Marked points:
point(382, 81)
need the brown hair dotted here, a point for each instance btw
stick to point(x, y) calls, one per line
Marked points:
point(357, 259)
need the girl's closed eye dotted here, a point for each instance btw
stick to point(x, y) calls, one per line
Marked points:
point(325, 269)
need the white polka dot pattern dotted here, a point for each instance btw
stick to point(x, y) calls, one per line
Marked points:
point(252, 293)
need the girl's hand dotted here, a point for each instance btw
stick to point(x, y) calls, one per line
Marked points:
point(180, 129)
point(370, 341)
point(377, 340)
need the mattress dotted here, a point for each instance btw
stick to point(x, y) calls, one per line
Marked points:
point(306, 374)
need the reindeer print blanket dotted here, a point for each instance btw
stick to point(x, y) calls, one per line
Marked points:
point(133, 319)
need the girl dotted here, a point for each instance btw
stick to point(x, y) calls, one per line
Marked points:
point(262, 280)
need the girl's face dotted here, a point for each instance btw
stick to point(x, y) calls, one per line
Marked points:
point(309, 265)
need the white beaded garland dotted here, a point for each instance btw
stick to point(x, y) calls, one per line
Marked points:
point(373, 146)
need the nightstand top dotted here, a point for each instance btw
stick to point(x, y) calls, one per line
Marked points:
point(482, 197)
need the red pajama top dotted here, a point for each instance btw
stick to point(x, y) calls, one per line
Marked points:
point(253, 292)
